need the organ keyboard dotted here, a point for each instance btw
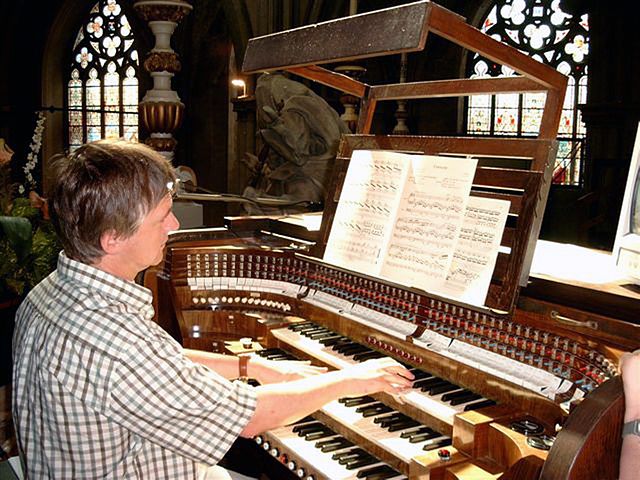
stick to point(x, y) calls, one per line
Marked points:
point(301, 307)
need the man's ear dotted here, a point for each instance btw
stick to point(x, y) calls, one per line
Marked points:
point(110, 242)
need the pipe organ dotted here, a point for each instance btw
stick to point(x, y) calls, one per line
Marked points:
point(500, 391)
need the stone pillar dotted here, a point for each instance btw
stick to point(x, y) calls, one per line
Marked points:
point(161, 111)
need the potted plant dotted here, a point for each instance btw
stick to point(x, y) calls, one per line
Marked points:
point(28, 243)
point(28, 252)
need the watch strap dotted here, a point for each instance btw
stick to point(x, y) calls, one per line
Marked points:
point(243, 366)
point(631, 428)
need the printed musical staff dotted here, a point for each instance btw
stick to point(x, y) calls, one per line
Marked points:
point(477, 250)
point(429, 220)
point(410, 219)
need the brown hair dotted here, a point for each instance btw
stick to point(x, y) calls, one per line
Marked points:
point(108, 185)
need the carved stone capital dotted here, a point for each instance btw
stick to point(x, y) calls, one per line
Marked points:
point(162, 61)
point(167, 144)
point(158, 10)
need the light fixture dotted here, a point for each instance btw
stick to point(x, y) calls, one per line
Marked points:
point(236, 82)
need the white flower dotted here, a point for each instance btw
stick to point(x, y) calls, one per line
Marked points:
point(32, 156)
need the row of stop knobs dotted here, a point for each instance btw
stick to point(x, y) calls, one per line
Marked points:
point(393, 350)
point(283, 458)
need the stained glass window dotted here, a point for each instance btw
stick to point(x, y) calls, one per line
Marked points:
point(541, 29)
point(102, 90)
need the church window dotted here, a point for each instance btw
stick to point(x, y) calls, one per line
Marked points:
point(542, 30)
point(102, 87)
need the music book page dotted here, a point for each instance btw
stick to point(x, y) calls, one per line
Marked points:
point(429, 220)
point(476, 251)
point(409, 218)
point(369, 200)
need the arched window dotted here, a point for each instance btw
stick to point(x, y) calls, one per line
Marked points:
point(543, 31)
point(102, 90)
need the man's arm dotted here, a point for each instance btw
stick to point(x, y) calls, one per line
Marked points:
point(630, 453)
point(265, 371)
point(283, 403)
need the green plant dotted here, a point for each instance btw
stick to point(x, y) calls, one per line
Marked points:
point(28, 248)
point(28, 243)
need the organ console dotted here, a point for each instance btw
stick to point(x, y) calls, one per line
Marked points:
point(506, 390)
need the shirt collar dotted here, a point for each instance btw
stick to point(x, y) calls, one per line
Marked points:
point(130, 293)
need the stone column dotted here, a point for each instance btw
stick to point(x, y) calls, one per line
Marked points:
point(161, 111)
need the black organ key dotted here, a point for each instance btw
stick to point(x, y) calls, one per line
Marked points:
point(380, 472)
point(351, 348)
point(362, 462)
point(424, 436)
point(309, 332)
point(303, 429)
point(301, 326)
point(396, 427)
point(389, 418)
point(477, 405)
point(453, 395)
point(328, 342)
point(374, 409)
point(444, 442)
point(422, 382)
point(333, 444)
point(361, 357)
point(419, 374)
point(322, 335)
point(417, 431)
point(433, 382)
point(355, 401)
point(344, 457)
point(465, 399)
point(445, 388)
point(319, 434)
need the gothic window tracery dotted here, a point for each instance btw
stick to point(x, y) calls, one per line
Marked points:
point(541, 29)
point(102, 88)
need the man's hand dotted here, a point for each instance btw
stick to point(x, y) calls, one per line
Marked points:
point(630, 368)
point(268, 371)
point(379, 375)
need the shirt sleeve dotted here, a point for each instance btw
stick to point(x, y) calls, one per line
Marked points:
point(164, 397)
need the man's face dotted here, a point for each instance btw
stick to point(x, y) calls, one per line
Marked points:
point(145, 247)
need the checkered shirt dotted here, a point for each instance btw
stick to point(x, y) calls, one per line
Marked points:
point(101, 391)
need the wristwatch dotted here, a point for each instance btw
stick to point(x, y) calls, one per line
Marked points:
point(243, 362)
point(631, 428)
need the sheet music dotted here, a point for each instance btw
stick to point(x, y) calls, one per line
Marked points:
point(429, 220)
point(369, 200)
point(476, 252)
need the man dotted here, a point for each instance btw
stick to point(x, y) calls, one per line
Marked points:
point(100, 391)
point(630, 454)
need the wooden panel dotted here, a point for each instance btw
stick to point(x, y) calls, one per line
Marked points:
point(392, 30)
point(454, 88)
point(436, 145)
point(588, 446)
point(332, 79)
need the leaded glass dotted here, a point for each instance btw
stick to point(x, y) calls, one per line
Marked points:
point(532, 107)
point(103, 88)
point(506, 114)
point(542, 30)
point(480, 114)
